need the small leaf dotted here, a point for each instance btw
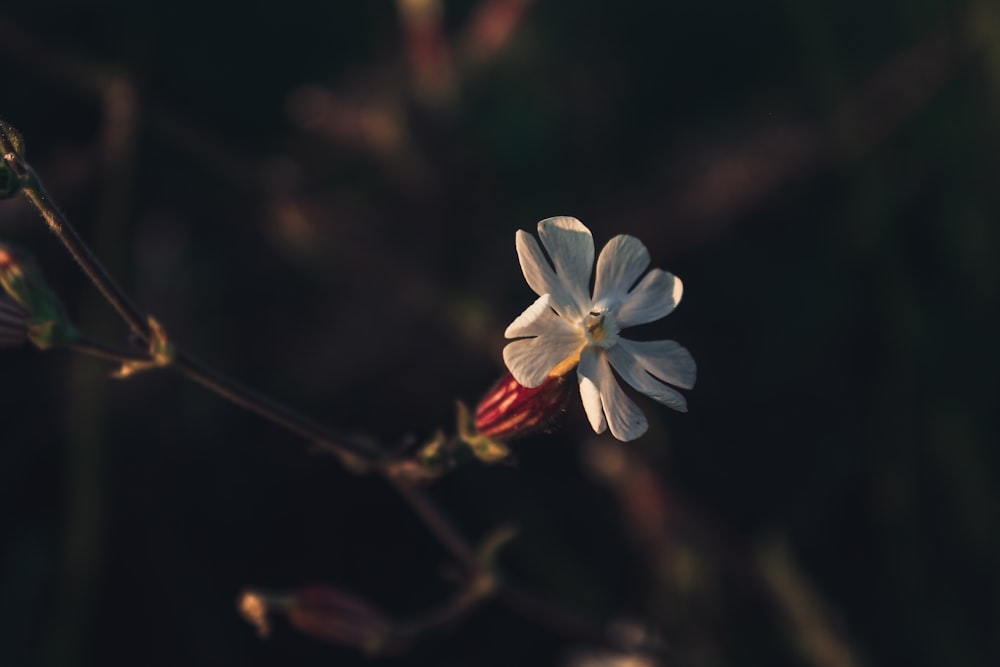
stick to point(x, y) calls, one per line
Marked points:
point(434, 454)
point(431, 461)
point(485, 448)
point(161, 353)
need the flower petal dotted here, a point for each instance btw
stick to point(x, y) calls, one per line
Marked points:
point(666, 359)
point(654, 297)
point(632, 372)
point(539, 320)
point(621, 262)
point(571, 247)
point(541, 277)
point(530, 360)
point(590, 394)
point(623, 416)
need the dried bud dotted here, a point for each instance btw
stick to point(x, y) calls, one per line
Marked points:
point(322, 612)
point(254, 607)
point(14, 320)
point(339, 618)
point(509, 410)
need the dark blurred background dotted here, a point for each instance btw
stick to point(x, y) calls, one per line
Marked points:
point(321, 199)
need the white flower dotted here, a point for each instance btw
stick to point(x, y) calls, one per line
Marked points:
point(567, 326)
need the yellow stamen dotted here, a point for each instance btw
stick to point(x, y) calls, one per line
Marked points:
point(594, 323)
point(567, 364)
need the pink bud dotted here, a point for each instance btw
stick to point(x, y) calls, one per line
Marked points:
point(509, 409)
point(339, 618)
point(13, 322)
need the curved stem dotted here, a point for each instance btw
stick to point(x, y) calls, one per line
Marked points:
point(101, 350)
point(36, 194)
point(240, 395)
point(184, 363)
point(271, 410)
point(437, 522)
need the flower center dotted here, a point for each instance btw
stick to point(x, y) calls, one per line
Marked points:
point(600, 328)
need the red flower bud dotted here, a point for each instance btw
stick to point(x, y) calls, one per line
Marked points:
point(509, 409)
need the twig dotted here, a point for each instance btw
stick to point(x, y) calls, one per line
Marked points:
point(184, 362)
point(271, 410)
point(237, 394)
point(101, 350)
point(436, 520)
point(57, 222)
point(571, 623)
point(475, 592)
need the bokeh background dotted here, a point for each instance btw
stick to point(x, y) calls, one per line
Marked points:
point(321, 199)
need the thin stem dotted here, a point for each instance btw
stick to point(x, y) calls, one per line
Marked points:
point(271, 410)
point(570, 623)
point(236, 393)
point(101, 350)
point(476, 591)
point(522, 600)
point(437, 521)
point(184, 363)
point(36, 194)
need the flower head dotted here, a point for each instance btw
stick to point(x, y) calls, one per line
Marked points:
point(571, 326)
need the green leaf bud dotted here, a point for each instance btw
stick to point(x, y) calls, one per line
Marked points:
point(20, 278)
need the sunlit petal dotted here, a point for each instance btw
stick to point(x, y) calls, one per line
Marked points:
point(541, 277)
point(624, 417)
point(654, 297)
point(571, 247)
point(633, 373)
point(538, 319)
point(666, 359)
point(530, 360)
point(590, 393)
point(621, 262)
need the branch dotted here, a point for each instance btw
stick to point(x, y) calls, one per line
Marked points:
point(35, 192)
